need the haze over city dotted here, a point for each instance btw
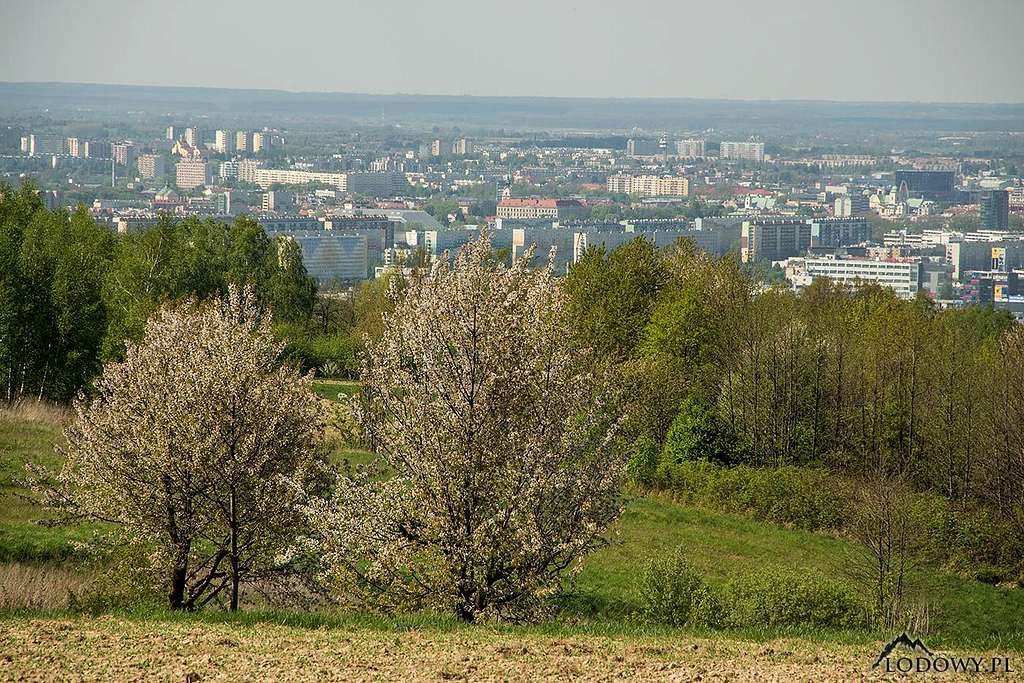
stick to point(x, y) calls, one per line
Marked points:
point(935, 50)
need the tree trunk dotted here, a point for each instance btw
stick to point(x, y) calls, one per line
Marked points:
point(177, 594)
point(234, 553)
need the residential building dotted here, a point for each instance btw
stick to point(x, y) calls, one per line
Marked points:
point(151, 165)
point(123, 153)
point(649, 185)
point(774, 239)
point(642, 148)
point(96, 150)
point(193, 136)
point(265, 177)
point(690, 149)
point(242, 141)
point(228, 169)
point(224, 142)
point(191, 173)
point(746, 151)
point(247, 170)
point(462, 147)
point(260, 142)
point(994, 208)
point(171, 133)
point(522, 208)
point(73, 147)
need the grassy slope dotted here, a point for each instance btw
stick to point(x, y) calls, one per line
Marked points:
point(964, 612)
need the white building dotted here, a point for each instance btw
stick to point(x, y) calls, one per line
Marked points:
point(902, 276)
point(690, 149)
point(747, 151)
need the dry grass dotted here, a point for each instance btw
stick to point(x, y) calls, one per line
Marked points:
point(113, 648)
point(30, 410)
point(24, 586)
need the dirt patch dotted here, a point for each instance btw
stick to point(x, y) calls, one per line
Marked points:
point(108, 648)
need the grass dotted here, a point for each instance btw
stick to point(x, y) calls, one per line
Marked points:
point(334, 389)
point(965, 613)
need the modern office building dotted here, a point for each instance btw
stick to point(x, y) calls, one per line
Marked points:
point(191, 173)
point(839, 232)
point(529, 209)
point(933, 184)
point(690, 149)
point(746, 151)
point(994, 208)
point(151, 165)
point(902, 276)
point(333, 258)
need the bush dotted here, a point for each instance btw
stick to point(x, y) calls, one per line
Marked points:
point(798, 497)
point(697, 433)
point(778, 599)
point(671, 592)
point(642, 467)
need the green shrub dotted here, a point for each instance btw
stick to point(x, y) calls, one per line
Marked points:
point(643, 461)
point(799, 497)
point(779, 599)
point(697, 433)
point(671, 592)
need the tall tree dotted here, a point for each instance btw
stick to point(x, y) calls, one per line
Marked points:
point(498, 452)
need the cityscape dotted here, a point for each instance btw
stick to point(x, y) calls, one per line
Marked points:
point(542, 342)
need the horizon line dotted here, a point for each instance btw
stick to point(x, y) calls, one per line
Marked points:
point(795, 100)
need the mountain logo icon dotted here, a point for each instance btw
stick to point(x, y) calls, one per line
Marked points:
point(904, 640)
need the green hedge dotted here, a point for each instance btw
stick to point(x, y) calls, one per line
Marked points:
point(800, 497)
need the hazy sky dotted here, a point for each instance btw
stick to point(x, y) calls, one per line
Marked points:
point(927, 50)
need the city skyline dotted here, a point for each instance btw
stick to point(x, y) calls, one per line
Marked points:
point(935, 51)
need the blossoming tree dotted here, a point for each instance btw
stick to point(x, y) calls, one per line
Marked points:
point(498, 464)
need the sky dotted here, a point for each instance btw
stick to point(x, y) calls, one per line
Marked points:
point(848, 50)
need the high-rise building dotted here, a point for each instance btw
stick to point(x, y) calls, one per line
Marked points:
point(123, 153)
point(171, 133)
point(746, 151)
point(193, 136)
point(774, 239)
point(223, 141)
point(995, 209)
point(437, 148)
point(462, 147)
point(690, 149)
point(72, 147)
point(92, 149)
point(260, 142)
point(247, 170)
point(34, 145)
point(642, 148)
point(151, 165)
point(242, 141)
point(191, 173)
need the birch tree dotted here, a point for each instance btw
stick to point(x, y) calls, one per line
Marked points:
point(499, 465)
point(198, 446)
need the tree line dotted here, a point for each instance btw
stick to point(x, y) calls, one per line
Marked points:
point(72, 292)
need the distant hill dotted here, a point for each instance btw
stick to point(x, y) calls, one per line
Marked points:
point(75, 100)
